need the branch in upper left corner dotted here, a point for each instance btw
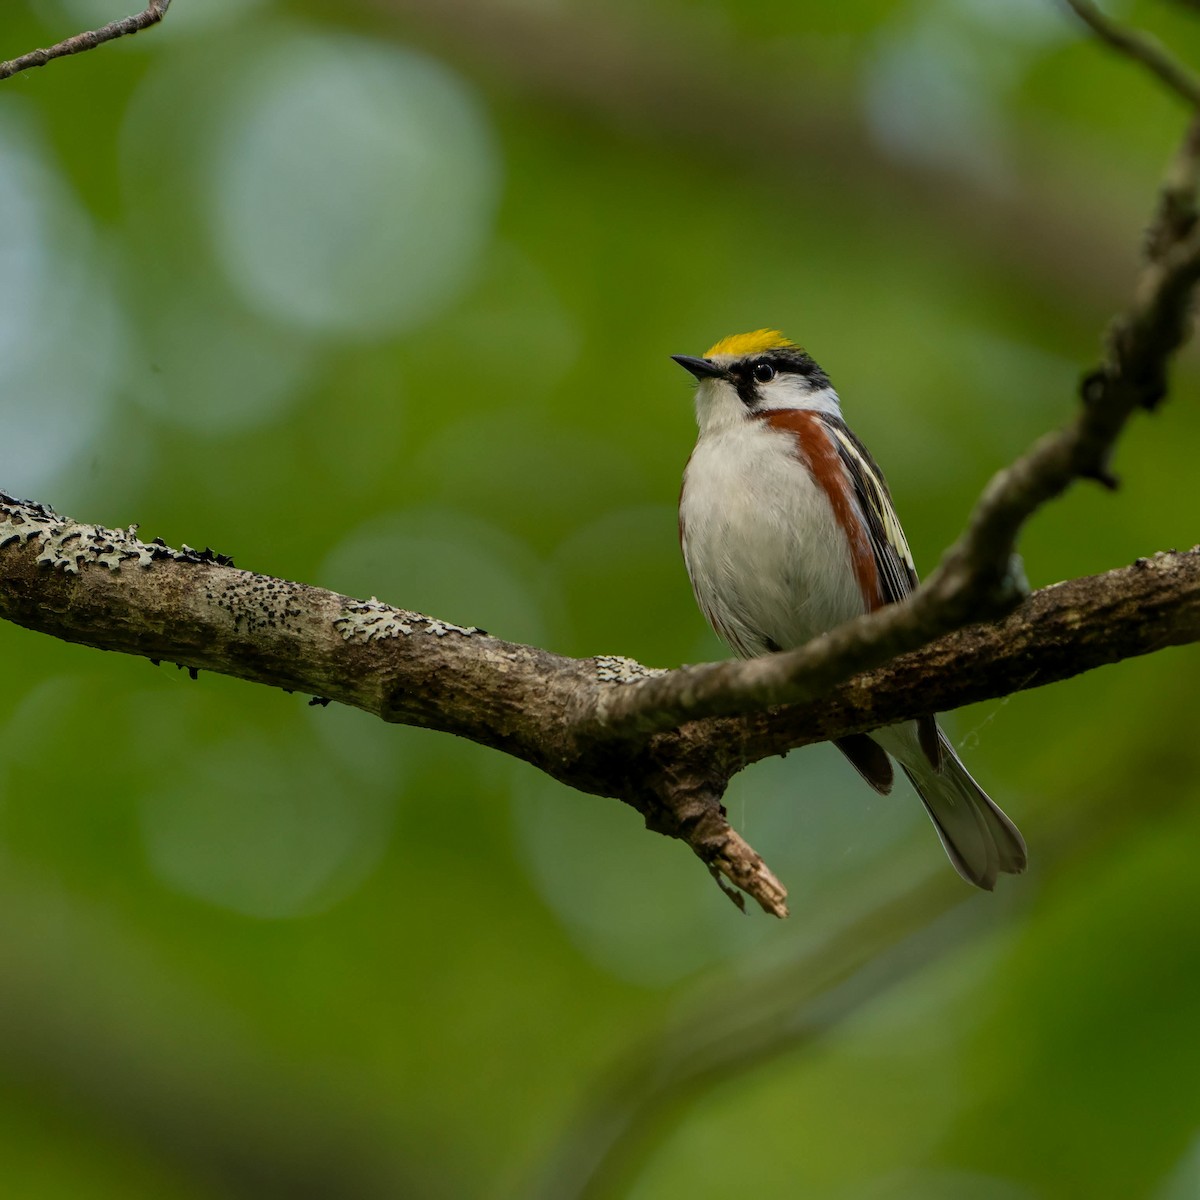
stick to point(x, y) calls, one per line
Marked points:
point(88, 40)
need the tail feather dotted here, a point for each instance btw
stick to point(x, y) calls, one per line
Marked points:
point(1010, 845)
point(961, 829)
point(869, 759)
point(978, 838)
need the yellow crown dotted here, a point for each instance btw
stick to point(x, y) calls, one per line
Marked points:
point(749, 343)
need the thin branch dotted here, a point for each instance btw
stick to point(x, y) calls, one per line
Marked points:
point(1141, 609)
point(1175, 218)
point(150, 15)
point(1141, 47)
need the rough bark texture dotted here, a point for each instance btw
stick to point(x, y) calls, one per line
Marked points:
point(105, 588)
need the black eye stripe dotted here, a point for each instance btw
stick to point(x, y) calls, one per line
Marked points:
point(745, 373)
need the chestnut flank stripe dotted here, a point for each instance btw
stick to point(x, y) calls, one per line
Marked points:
point(815, 448)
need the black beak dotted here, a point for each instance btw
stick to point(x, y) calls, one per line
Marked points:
point(700, 367)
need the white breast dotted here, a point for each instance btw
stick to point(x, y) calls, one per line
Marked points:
point(766, 556)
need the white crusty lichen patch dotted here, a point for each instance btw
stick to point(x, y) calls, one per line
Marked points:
point(371, 620)
point(613, 668)
point(67, 545)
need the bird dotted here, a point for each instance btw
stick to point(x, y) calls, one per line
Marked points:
point(788, 530)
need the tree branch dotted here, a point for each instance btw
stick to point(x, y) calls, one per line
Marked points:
point(1141, 47)
point(106, 588)
point(1055, 634)
point(150, 15)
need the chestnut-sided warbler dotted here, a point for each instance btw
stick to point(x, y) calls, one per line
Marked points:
point(788, 529)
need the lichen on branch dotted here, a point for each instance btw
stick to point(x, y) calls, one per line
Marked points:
point(106, 588)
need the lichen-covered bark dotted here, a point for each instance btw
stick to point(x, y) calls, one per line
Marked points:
point(107, 589)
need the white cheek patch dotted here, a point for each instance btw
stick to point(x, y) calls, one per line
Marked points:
point(795, 391)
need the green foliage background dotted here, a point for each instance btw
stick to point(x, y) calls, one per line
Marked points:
point(380, 297)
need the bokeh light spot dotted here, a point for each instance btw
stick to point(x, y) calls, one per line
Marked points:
point(353, 185)
point(61, 333)
point(262, 821)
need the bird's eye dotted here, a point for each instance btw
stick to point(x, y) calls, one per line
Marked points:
point(764, 372)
